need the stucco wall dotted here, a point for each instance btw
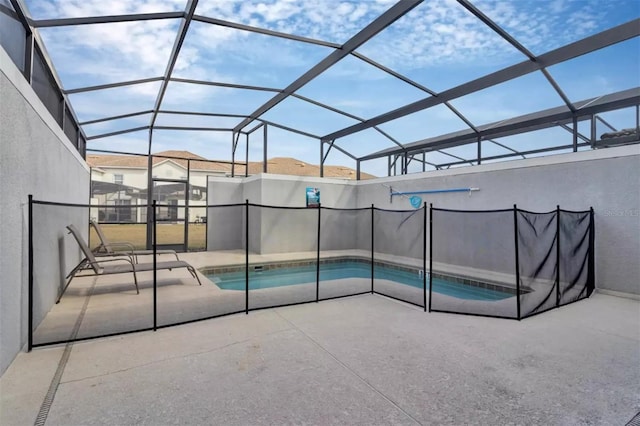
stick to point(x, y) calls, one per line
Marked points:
point(279, 230)
point(606, 179)
point(35, 158)
point(225, 225)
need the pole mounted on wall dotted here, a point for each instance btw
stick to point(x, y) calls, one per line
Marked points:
point(416, 202)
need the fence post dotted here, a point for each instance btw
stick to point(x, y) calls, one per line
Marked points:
point(557, 256)
point(430, 253)
point(318, 259)
point(424, 257)
point(591, 277)
point(372, 246)
point(246, 257)
point(30, 338)
point(515, 233)
point(155, 269)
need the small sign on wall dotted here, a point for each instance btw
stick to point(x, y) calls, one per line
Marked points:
point(313, 197)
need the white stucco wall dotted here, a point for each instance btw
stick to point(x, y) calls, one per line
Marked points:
point(277, 230)
point(35, 158)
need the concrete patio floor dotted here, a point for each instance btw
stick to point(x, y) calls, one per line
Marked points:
point(359, 360)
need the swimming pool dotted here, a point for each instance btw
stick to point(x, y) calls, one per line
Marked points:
point(286, 276)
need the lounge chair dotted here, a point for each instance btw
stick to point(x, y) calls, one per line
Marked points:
point(127, 265)
point(107, 248)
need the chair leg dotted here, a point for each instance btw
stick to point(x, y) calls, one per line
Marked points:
point(80, 266)
point(65, 287)
point(193, 272)
point(135, 280)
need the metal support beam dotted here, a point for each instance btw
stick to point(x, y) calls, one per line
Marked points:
point(479, 150)
point(503, 156)
point(246, 166)
point(322, 158)
point(112, 85)
point(575, 133)
point(197, 129)
point(530, 122)
point(346, 114)
point(150, 194)
point(357, 169)
point(264, 149)
point(255, 128)
point(257, 30)
point(290, 129)
point(587, 45)
point(28, 58)
point(512, 41)
point(175, 51)
point(204, 114)
point(115, 117)
point(88, 20)
point(233, 153)
point(326, 154)
point(603, 121)
point(383, 21)
point(503, 146)
point(119, 132)
point(345, 152)
point(227, 85)
point(570, 130)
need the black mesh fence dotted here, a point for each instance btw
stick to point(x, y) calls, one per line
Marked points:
point(473, 262)
point(283, 248)
point(83, 284)
point(399, 254)
point(509, 263)
point(219, 287)
point(345, 252)
point(91, 278)
point(576, 259)
point(538, 262)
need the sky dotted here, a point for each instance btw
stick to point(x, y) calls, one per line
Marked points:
point(438, 44)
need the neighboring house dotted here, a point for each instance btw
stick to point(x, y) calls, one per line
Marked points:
point(122, 180)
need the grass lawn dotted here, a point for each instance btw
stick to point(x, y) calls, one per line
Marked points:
point(136, 234)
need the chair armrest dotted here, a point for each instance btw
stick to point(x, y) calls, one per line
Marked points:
point(118, 259)
point(122, 244)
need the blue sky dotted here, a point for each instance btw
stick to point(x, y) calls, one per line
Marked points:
point(438, 44)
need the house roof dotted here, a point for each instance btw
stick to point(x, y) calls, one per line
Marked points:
point(277, 165)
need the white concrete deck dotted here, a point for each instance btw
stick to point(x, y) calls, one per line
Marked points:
point(361, 360)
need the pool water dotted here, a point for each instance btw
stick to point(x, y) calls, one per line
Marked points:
point(279, 277)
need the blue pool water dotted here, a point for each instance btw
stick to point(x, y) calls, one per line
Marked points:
point(332, 271)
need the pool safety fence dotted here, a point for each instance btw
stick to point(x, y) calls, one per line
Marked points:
point(90, 278)
point(543, 260)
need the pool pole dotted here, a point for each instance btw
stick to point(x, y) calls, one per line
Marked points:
point(318, 259)
point(30, 334)
point(372, 242)
point(591, 275)
point(515, 233)
point(424, 258)
point(430, 253)
point(155, 269)
point(557, 256)
point(246, 257)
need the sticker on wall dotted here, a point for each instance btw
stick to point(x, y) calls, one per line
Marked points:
point(313, 197)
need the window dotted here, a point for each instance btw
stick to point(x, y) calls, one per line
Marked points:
point(118, 179)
